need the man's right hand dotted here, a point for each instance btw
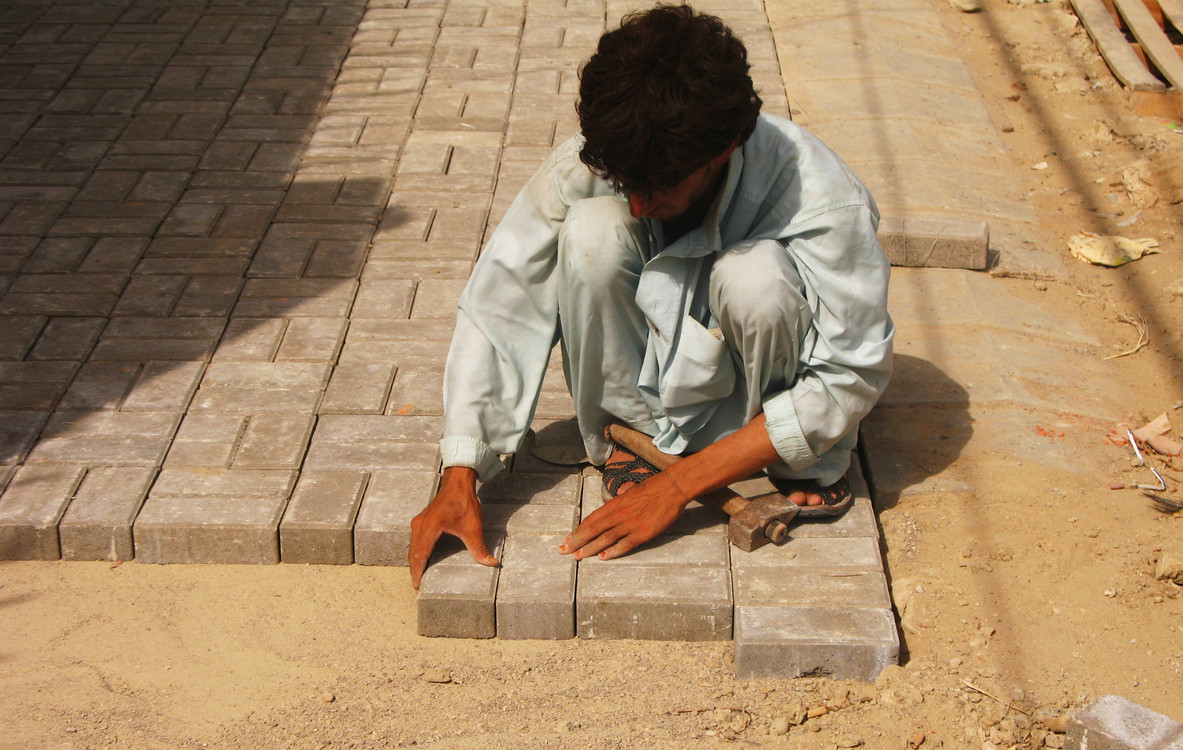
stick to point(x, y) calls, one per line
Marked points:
point(454, 510)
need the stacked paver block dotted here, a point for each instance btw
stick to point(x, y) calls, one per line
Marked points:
point(1115, 723)
point(675, 587)
point(818, 604)
point(526, 515)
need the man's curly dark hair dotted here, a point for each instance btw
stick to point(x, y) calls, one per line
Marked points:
point(661, 96)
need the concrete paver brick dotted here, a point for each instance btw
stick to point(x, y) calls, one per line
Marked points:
point(164, 386)
point(151, 295)
point(823, 553)
point(392, 348)
point(114, 255)
point(209, 296)
point(21, 332)
point(317, 527)
point(382, 532)
point(274, 440)
point(250, 340)
point(535, 589)
point(106, 438)
point(358, 389)
point(30, 509)
point(213, 516)
point(458, 601)
point(417, 391)
point(312, 340)
point(67, 338)
point(327, 298)
point(1115, 723)
point(655, 602)
point(256, 387)
point(537, 489)
point(525, 518)
point(346, 441)
point(98, 523)
point(837, 642)
point(777, 586)
point(100, 385)
point(206, 439)
point(139, 339)
point(928, 243)
point(388, 299)
point(34, 385)
point(437, 298)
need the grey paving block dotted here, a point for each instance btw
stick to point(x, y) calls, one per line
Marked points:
point(358, 389)
point(935, 243)
point(536, 589)
point(838, 642)
point(18, 432)
point(106, 438)
point(317, 526)
point(98, 523)
point(30, 509)
point(417, 391)
point(1115, 723)
point(457, 595)
point(512, 519)
point(68, 338)
point(250, 340)
point(312, 340)
point(382, 532)
point(813, 587)
point(213, 516)
point(163, 386)
point(859, 521)
point(274, 440)
point(653, 602)
point(538, 489)
point(818, 553)
point(696, 519)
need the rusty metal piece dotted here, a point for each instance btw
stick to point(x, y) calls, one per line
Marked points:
point(753, 523)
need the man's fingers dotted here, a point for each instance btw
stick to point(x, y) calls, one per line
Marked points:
point(418, 554)
point(622, 547)
point(600, 543)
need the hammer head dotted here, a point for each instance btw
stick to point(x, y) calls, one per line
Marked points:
point(762, 520)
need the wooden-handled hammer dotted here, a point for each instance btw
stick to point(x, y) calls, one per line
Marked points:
point(753, 523)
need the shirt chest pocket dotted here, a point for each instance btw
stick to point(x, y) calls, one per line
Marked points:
point(698, 368)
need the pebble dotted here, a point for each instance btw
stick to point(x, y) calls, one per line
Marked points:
point(438, 676)
point(1110, 592)
point(780, 725)
point(967, 6)
point(850, 741)
point(816, 711)
point(327, 697)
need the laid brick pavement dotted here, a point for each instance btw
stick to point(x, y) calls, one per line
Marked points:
point(232, 237)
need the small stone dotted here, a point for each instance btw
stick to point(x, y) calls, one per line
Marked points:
point(1169, 567)
point(1040, 286)
point(780, 725)
point(816, 711)
point(850, 741)
point(438, 676)
point(797, 713)
point(1057, 724)
point(740, 721)
point(967, 6)
point(1110, 592)
point(327, 697)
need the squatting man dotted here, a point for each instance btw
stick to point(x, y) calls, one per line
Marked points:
point(713, 277)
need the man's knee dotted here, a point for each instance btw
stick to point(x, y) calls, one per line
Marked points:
point(754, 284)
point(600, 240)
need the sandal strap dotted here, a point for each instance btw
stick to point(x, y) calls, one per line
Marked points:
point(625, 472)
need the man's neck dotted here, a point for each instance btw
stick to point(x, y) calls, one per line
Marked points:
point(674, 229)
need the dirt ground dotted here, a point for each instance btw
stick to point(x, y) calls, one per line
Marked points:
point(1004, 636)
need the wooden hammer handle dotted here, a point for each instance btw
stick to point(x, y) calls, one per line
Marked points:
point(641, 445)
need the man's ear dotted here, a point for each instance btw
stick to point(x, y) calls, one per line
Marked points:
point(722, 158)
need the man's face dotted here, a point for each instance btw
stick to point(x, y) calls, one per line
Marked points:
point(667, 205)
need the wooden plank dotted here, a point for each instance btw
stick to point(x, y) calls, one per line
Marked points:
point(1154, 42)
point(1113, 47)
point(1173, 10)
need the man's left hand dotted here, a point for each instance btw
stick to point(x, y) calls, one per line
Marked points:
point(628, 520)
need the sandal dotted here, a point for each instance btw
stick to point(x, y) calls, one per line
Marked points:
point(628, 470)
point(836, 498)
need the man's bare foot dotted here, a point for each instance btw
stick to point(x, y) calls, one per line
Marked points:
point(814, 499)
